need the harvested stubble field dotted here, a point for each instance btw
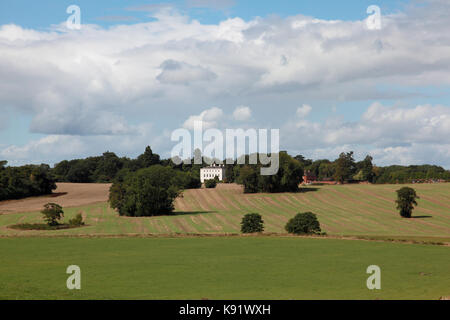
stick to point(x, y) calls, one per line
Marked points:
point(347, 210)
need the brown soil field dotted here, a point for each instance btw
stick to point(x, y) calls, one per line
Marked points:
point(67, 195)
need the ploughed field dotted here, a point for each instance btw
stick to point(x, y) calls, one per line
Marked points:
point(348, 210)
point(66, 195)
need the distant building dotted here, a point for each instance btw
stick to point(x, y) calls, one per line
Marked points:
point(209, 173)
point(309, 177)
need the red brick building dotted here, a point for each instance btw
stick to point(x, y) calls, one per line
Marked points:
point(309, 177)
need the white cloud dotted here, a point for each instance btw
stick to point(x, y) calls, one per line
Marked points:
point(209, 118)
point(105, 82)
point(392, 134)
point(304, 111)
point(175, 59)
point(174, 72)
point(53, 148)
point(242, 113)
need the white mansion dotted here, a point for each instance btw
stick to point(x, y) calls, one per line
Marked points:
point(209, 173)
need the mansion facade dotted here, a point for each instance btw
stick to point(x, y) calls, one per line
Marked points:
point(211, 172)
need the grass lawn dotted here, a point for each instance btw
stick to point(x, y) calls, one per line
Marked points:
point(220, 268)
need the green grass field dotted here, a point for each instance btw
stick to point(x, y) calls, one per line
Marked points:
point(220, 268)
point(349, 210)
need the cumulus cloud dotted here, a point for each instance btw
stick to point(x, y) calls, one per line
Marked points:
point(105, 81)
point(391, 134)
point(127, 66)
point(304, 111)
point(54, 148)
point(175, 72)
point(242, 113)
point(210, 119)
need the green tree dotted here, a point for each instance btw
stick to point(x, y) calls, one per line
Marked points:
point(148, 192)
point(345, 167)
point(211, 183)
point(52, 213)
point(107, 167)
point(303, 223)
point(326, 170)
point(148, 158)
point(117, 194)
point(252, 223)
point(25, 181)
point(365, 168)
point(249, 178)
point(79, 172)
point(406, 200)
point(303, 161)
point(287, 179)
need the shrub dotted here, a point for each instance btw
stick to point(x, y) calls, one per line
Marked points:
point(211, 184)
point(77, 221)
point(303, 223)
point(252, 223)
point(52, 213)
point(40, 226)
point(406, 199)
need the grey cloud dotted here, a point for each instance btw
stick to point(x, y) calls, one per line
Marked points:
point(78, 121)
point(175, 72)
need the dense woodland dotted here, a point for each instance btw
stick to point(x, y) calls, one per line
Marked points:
point(25, 181)
point(32, 180)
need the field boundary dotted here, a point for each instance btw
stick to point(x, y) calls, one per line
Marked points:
point(394, 239)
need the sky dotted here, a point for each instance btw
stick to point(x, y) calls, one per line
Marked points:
point(138, 70)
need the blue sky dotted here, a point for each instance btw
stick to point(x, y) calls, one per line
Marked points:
point(41, 14)
point(137, 70)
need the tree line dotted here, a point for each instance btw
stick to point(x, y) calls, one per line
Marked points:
point(346, 169)
point(33, 180)
point(25, 181)
point(109, 167)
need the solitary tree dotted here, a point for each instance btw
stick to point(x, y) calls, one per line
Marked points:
point(304, 223)
point(52, 213)
point(252, 223)
point(406, 200)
